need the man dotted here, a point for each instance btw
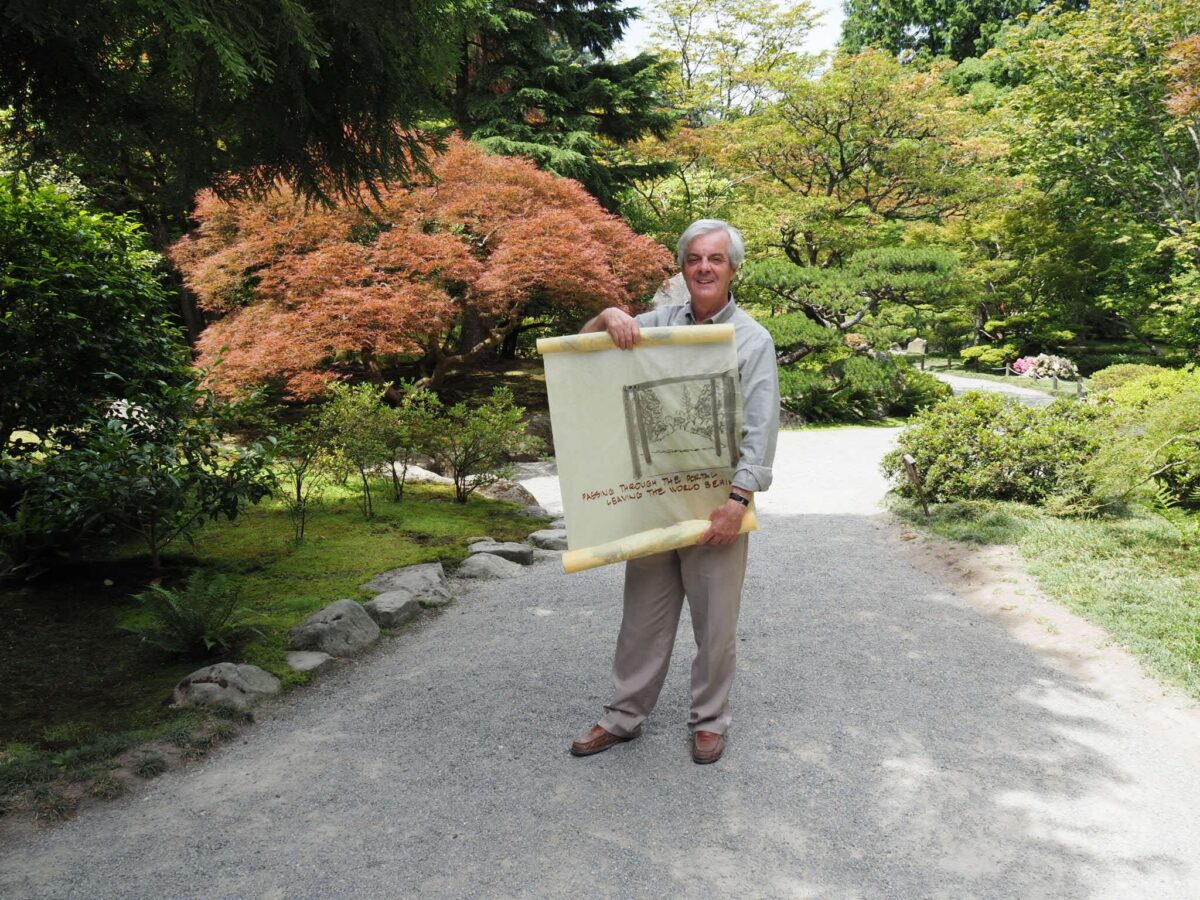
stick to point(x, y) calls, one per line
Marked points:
point(710, 574)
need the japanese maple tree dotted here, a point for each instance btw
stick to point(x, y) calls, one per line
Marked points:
point(438, 273)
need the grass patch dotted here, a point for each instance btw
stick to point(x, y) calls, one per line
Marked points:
point(1135, 574)
point(77, 690)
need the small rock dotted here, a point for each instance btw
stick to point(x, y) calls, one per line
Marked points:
point(393, 609)
point(308, 660)
point(485, 565)
point(549, 539)
point(478, 538)
point(547, 555)
point(426, 583)
point(533, 511)
point(510, 550)
point(560, 522)
point(508, 490)
point(342, 628)
point(226, 684)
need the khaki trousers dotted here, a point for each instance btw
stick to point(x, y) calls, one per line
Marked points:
point(711, 579)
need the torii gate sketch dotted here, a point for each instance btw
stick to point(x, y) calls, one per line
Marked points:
point(684, 423)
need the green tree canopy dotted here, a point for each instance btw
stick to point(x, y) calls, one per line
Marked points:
point(957, 29)
point(151, 101)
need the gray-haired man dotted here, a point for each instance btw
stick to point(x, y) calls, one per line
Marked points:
point(710, 574)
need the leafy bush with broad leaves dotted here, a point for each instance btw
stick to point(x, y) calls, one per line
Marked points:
point(156, 467)
point(197, 620)
point(859, 388)
point(988, 446)
point(80, 296)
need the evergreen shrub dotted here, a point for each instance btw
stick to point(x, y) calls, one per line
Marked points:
point(988, 446)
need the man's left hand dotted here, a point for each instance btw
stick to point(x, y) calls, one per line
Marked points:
point(725, 524)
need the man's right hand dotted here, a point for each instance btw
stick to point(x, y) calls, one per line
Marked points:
point(621, 327)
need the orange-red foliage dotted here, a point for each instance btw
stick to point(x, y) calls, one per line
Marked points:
point(1185, 72)
point(307, 296)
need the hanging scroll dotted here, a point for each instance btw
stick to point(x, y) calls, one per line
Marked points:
point(646, 440)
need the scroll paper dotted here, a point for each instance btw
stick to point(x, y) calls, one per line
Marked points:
point(646, 440)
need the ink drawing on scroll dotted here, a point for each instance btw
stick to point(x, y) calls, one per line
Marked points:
point(646, 440)
point(681, 424)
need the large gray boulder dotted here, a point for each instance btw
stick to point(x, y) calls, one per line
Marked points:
point(508, 490)
point(393, 609)
point(549, 539)
point(426, 583)
point(340, 629)
point(510, 550)
point(486, 566)
point(226, 684)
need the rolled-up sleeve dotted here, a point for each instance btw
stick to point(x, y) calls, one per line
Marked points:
point(759, 376)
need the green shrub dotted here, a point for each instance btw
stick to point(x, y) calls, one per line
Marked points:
point(151, 765)
point(858, 388)
point(987, 356)
point(920, 390)
point(988, 446)
point(1154, 452)
point(81, 298)
point(474, 442)
point(196, 621)
point(1154, 387)
point(1120, 374)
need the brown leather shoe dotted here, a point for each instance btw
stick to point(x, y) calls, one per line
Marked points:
point(597, 740)
point(707, 747)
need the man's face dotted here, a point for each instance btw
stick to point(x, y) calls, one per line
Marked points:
point(707, 270)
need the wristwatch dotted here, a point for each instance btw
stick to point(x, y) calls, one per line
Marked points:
point(745, 501)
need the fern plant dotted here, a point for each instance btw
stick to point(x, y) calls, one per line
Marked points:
point(198, 620)
point(1172, 508)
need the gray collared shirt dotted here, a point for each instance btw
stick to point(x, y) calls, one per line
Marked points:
point(759, 379)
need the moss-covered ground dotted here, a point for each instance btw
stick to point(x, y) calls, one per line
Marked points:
point(76, 689)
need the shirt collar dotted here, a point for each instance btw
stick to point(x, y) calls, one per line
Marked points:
point(724, 314)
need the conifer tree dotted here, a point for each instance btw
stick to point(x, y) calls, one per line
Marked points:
point(537, 80)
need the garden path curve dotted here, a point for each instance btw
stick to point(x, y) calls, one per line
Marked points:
point(962, 385)
point(903, 728)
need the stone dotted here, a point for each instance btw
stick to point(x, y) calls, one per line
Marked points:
point(342, 628)
point(510, 550)
point(916, 345)
point(486, 566)
point(426, 583)
point(419, 475)
point(478, 538)
point(540, 555)
point(534, 512)
point(393, 609)
point(226, 684)
point(508, 490)
point(539, 427)
point(549, 539)
point(672, 292)
point(308, 660)
point(560, 522)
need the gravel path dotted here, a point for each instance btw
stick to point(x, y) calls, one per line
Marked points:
point(961, 385)
point(904, 727)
